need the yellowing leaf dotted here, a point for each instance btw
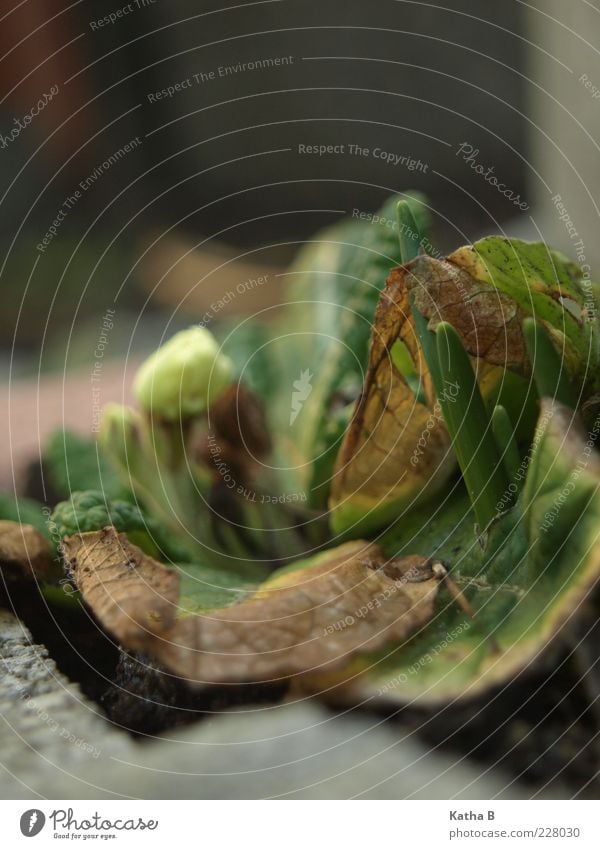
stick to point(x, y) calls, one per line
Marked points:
point(396, 450)
point(545, 284)
point(530, 584)
point(487, 321)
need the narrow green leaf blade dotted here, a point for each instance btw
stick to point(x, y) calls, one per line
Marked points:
point(469, 426)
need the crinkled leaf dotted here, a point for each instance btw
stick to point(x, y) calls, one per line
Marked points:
point(334, 287)
point(25, 554)
point(541, 562)
point(348, 601)
point(396, 451)
point(545, 284)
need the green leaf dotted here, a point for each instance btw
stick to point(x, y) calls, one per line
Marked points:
point(23, 510)
point(334, 286)
point(205, 588)
point(505, 440)
point(74, 463)
point(540, 564)
point(546, 285)
point(91, 511)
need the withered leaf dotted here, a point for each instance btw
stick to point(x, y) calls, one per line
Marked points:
point(345, 602)
point(396, 448)
point(488, 321)
point(25, 554)
point(545, 284)
point(532, 584)
point(132, 595)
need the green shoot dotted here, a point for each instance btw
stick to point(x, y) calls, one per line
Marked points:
point(469, 426)
point(505, 440)
point(409, 234)
point(549, 369)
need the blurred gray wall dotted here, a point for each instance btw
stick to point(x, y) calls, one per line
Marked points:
point(409, 78)
point(563, 108)
point(516, 84)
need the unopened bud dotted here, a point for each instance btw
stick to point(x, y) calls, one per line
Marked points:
point(184, 376)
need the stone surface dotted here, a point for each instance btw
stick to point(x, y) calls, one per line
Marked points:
point(55, 744)
point(48, 728)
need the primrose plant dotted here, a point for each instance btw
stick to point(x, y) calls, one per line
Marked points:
point(191, 454)
point(427, 407)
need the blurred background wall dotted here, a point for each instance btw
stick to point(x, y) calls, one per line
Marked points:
point(218, 155)
point(563, 124)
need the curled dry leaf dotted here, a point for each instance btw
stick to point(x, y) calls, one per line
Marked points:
point(132, 595)
point(319, 617)
point(529, 586)
point(518, 279)
point(396, 450)
point(544, 283)
point(25, 554)
point(488, 322)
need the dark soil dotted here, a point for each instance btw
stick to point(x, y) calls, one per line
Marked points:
point(135, 694)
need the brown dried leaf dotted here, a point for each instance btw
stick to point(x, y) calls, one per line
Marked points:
point(488, 322)
point(396, 450)
point(349, 601)
point(380, 466)
point(24, 553)
point(132, 595)
point(320, 618)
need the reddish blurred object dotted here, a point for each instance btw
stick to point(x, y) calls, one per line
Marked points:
point(34, 409)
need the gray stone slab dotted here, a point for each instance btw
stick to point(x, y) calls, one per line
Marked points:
point(55, 744)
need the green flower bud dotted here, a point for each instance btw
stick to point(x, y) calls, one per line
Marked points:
point(184, 376)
